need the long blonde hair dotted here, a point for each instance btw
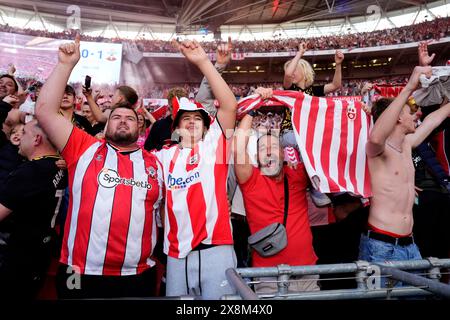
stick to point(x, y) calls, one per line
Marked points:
point(307, 70)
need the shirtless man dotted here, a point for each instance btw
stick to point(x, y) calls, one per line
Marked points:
point(394, 135)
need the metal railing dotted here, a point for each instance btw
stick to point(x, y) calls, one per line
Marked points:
point(368, 277)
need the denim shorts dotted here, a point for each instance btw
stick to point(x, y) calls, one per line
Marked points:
point(373, 250)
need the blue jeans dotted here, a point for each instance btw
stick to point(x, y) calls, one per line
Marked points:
point(372, 250)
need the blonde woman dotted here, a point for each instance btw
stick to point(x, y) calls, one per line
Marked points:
point(299, 76)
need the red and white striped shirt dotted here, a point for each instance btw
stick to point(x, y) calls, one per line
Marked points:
point(195, 191)
point(110, 227)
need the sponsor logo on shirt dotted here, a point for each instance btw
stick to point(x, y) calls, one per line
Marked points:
point(109, 178)
point(178, 183)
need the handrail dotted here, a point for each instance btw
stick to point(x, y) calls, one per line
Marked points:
point(418, 281)
point(337, 268)
point(239, 284)
point(367, 276)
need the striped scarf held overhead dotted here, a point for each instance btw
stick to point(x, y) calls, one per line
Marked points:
point(331, 135)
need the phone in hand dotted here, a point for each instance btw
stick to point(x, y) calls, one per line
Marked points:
point(87, 82)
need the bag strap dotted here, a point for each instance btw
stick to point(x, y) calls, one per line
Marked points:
point(286, 199)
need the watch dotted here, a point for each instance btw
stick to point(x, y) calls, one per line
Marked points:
point(252, 113)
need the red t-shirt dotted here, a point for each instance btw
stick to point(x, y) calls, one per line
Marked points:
point(264, 204)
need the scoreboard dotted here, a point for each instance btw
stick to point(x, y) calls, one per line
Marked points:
point(101, 61)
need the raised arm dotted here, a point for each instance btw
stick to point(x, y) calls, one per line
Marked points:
point(57, 128)
point(205, 95)
point(242, 166)
point(290, 69)
point(226, 114)
point(387, 120)
point(11, 72)
point(147, 114)
point(99, 116)
point(337, 79)
point(431, 122)
point(424, 58)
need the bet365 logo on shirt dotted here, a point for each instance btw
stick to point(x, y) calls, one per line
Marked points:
point(109, 178)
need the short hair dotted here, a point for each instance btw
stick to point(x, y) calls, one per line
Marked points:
point(69, 90)
point(123, 105)
point(379, 106)
point(178, 92)
point(16, 86)
point(307, 71)
point(42, 132)
point(128, 93)
point(37, 125)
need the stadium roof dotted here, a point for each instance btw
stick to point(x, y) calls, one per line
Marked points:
point(211, 14)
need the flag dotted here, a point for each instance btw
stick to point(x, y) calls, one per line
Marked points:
point(160, 112)
point(331, 135)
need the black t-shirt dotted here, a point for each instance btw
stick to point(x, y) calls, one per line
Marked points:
point(9, 156)
point(160, 132)
point(4, 110)
point(82, 123)
point(317, 91)
point(33, 192)
point(97, 128)
point(10, 159)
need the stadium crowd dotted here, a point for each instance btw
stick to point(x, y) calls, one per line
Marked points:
point(434, 29)
point(161, 91)
point(129, 196)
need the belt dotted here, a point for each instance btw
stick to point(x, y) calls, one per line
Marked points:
point(404, 241)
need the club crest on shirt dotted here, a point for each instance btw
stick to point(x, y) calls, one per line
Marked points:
point(194, 159)
point(99, 157)
point(151, 172)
